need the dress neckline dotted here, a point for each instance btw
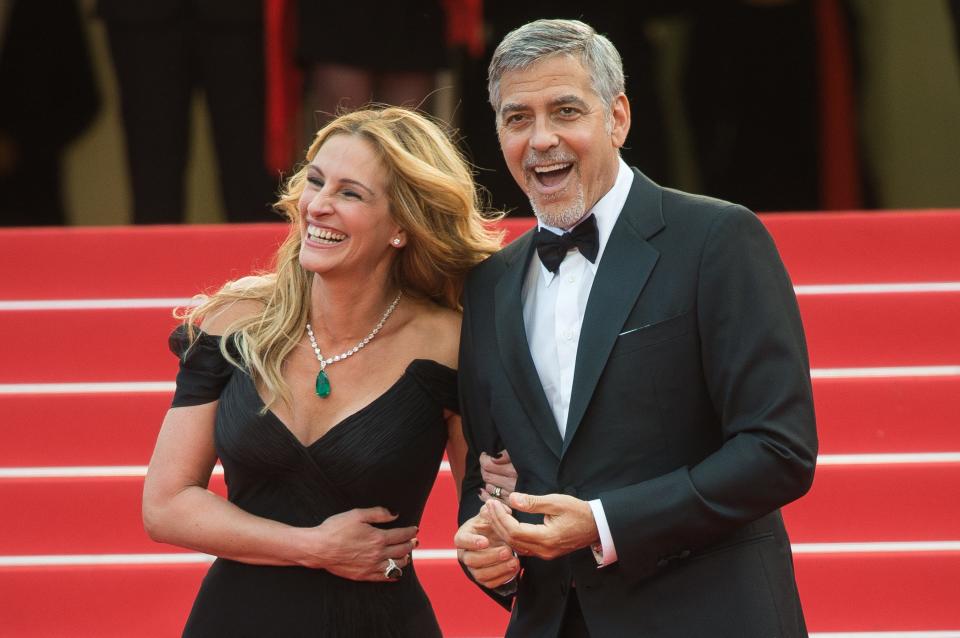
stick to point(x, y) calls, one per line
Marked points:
point(338, 426)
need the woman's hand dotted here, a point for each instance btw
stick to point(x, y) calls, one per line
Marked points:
point(349, 546)
point(499, 476)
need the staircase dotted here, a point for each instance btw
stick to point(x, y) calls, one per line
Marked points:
point(86, 377)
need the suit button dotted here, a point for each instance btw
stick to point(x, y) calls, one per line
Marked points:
point(685, 553)
point(662, 562)
point(570, 491)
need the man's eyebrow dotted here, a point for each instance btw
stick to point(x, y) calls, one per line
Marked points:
point(512, 107)
point(568, 99)
point(575, 100)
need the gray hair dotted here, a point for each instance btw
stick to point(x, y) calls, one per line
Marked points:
point(534, 41)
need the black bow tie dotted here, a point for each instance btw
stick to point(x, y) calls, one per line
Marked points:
point(552, 248)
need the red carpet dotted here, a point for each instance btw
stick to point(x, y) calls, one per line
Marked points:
point(880, 298)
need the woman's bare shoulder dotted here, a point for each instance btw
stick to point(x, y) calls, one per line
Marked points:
point(438, 331)
point(236, 301)
point(220, 320)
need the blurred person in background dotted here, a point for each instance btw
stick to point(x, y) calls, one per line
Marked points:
point(162, 51)
point(49, 97)
point(355, 53)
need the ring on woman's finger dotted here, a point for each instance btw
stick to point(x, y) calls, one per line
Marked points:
point(496, 492)
point(393, 570)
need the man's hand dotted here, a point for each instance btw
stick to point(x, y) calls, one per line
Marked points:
point(568, 524)
point(490, 561)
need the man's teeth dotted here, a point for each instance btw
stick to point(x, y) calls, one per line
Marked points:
point(324, 235)
point(550, 169)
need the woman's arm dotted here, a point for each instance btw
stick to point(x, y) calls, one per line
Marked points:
point(180, 510)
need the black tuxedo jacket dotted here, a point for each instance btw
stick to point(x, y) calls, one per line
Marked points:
point(691, 419)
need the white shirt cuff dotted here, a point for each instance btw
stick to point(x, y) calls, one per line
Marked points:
point(606, 539)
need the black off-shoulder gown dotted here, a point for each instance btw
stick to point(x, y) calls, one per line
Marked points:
point(387, 454)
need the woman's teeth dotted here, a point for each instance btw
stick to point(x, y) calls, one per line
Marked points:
point(324, 236)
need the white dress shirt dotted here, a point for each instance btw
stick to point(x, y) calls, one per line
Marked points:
point(553, 307)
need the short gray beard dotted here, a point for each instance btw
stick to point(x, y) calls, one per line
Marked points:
point(565, 217)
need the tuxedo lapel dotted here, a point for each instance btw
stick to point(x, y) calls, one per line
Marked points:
point(625, 266)
point(515, 349)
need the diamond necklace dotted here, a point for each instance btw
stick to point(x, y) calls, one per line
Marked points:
point(322, 385)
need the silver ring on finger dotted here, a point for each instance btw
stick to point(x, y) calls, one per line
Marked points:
point(496, 492)
point(393, 570)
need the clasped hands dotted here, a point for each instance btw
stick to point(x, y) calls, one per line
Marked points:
point(488, 543)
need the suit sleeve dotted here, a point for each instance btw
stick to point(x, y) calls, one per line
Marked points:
point(479, 432)
point(474, 414)
point(756, 371)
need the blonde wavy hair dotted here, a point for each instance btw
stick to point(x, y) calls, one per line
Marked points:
point(432, 197)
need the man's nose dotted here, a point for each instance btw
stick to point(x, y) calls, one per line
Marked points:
point(543, 137)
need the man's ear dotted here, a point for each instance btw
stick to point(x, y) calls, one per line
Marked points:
point(620, 115)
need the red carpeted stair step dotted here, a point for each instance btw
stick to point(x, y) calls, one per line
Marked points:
point(902, 246)
point(88, 345)
point(888, 415)
point(153, 601)
point(904, 329)
point(165, 261)
point(131, 344)
point(873, 415)
point(841, 593)
point(162, 261)
point(910, 591)
point(132, 261)
point(893, 502)
point(80, 429)
point(890, 502)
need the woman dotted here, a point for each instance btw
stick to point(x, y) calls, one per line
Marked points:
point(327, 389)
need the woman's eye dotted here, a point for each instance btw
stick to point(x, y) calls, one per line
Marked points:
point(316, 181)
point(351, 195)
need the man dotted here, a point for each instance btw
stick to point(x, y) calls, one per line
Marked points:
point(641, 357)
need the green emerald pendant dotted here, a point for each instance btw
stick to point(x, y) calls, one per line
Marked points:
point(323, 385)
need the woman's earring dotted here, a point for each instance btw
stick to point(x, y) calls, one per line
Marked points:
point(396, 241)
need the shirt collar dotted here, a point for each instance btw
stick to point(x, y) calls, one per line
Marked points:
point(606, 210)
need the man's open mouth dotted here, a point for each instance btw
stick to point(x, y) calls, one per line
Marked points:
point(552, 174)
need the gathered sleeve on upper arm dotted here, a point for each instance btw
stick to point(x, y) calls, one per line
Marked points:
point(204, 371)
point(439, 381)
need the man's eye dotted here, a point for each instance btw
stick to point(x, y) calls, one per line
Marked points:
point(516, 118)
point(568, 111)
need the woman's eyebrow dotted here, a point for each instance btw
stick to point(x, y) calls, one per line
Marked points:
point(346, 180)
point(356, 183)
